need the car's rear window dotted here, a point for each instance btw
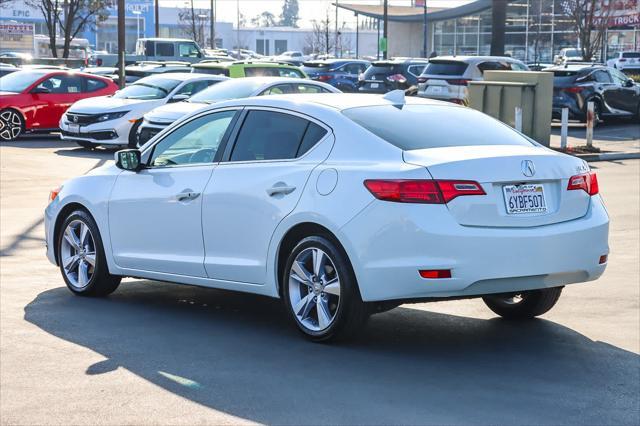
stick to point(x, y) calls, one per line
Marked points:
point(381, 69)
point(445, 68)
point(631, 55)
point(425, 126)
point(209, 70)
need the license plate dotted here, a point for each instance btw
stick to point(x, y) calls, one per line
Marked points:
point(374, 85)
point(523, 199)
point(74, 128)
point(434, 89)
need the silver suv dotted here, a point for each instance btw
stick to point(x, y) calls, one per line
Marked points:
point(446, 77)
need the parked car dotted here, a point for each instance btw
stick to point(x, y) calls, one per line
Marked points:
point(161, 117)
point(397, 73)
point(340, 73)
point(567, 55)
point(110, 72)
point(626, 62)
point(155, 49)
point(340, 205)
point(239, 69)
point(446, 77)
point(34, 100)
point(114, 120)
point(145, 69)
point(613, 93)
point(7, 69)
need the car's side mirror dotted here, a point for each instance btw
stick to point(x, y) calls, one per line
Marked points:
point(41, 90)
point(129, 159)
point(179, 98)
point(629, 83)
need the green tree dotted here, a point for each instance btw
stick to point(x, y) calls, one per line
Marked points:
point(289, 16)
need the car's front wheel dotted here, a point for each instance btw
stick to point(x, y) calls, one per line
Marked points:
point(321, 292)
point(11, 124)
point(81, 257)
point(524, 305)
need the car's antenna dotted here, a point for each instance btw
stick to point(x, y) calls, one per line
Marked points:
point(395, 96)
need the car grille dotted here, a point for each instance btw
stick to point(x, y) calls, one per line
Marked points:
point(76, 118)
point(100, 136)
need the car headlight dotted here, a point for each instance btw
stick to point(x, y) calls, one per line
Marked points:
point(111, 116)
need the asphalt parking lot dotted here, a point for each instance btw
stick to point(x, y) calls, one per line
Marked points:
point(158, 353)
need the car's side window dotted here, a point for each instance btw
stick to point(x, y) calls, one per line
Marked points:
point(312, 136)
point(194, 87)
point(268, 135)
point(62, 84)
point(164, 49)
point(280, 89)
point(195, 142)
point(94, 84)
point(188, 50)
point(289, 72)
point(416, 70)
point(602, 77)
point(618, 77)
point(261, 72)
point(308, 88)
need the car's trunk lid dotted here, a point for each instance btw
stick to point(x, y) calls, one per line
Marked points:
point(503, 170)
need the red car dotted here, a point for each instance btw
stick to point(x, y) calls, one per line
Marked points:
point(34, 100)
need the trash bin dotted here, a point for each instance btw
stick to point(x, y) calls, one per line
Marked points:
point(502, 91)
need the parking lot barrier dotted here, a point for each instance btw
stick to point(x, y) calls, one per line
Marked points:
point(518, 118)
point(590, 119)
point(564, 129)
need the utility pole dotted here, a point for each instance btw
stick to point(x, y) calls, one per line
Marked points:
point(424, 43)
point(238, 27)
point(384, 31)
point(121, 43)
point(157, 17)
point(335, 49)
point(213, 23)
point(357, 36)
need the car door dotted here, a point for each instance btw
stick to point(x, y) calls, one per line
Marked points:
point(623, 95)
point(155, 215)
point(53, 96)
point(255, 187)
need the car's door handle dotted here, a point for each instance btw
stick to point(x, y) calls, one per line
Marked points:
point(280, 189)
point(187, 195)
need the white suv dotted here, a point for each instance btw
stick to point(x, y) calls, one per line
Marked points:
point(446, 77)
point(625, 61)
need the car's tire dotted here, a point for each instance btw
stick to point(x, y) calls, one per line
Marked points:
point(133, 135)
point(325, 303)
point(81, 257)
point(525, 305)
point(11, 124)
point(87, 145)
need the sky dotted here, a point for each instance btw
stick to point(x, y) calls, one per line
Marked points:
point(309, 9)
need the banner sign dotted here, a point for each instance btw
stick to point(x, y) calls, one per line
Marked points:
point(16, 37)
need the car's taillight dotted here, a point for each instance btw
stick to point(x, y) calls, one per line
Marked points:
point(588, 182)
point(435, 273)
point(397, 78)
point(575, 89)
point(53, 194)
point(422, 79)
point(324, 77)
point(458, 82)
point(422, 190)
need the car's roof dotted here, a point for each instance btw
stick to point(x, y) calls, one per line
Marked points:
point(400, 61)
point(216, 64)
point(336, 101)
point(575, 67)
point(333, 61)
point(183, 76)
point(473, 59)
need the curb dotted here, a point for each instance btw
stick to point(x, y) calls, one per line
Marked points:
point(609, 156)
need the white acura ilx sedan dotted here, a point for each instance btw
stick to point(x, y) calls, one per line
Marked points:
point(341, 205)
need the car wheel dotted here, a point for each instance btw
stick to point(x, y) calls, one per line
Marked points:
point(133, 135)
point(527, 304)
point(81, 257)
point(11, 124)
point(87, 145)
point(321, 292)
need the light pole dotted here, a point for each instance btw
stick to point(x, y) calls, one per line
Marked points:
point(157, 17)
point(213, 23)
point(384, 30)
point(202, 17)
point(137, 13)
point(121, 43)
point(335, 50)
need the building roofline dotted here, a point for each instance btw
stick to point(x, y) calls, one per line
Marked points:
point(415, 14)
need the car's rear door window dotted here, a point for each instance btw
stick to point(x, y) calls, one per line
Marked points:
point(425, 126)
point(269, 135)
point(94, 84)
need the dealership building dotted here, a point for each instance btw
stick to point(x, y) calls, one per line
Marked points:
point(535, 29)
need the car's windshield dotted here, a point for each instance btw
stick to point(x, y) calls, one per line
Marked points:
point(148, 88)
point(18, 81)
point(425, 126)
point(230, 89)
point(572, 53)
point(445, 68)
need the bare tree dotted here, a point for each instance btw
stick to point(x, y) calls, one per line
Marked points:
point(192, 22)
point(4, 3)
point(265, 19)
point(70, 18)
point(590, 19)
point(322, 38)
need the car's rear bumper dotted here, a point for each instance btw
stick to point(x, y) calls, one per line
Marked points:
point(390, 243)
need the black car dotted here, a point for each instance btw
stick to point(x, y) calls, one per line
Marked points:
point(392, 74)
point(613, 93)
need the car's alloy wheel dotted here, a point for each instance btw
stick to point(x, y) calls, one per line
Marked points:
point(78, 254)
point(81, 257)
point(321, 291)
point(314, 289)
point(11, 125)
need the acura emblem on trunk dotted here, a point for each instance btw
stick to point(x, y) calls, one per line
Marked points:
point(528, 168)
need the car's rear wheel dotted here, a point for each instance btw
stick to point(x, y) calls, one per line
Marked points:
point(11, 124)
point(321, 292)
point(524, 305)
point(81, 257)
